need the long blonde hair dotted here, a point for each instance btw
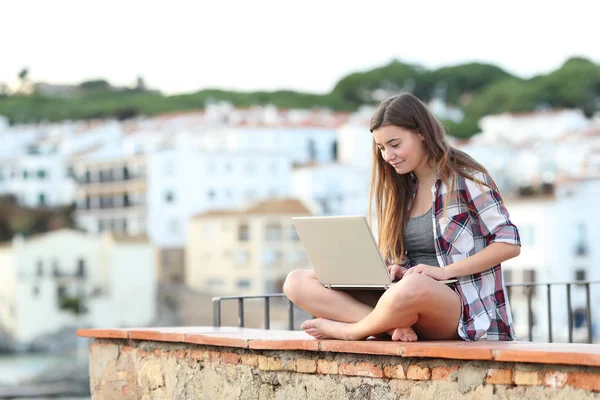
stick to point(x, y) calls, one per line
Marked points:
point(392, 192)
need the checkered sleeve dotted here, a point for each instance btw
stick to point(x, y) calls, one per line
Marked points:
point(491, 213)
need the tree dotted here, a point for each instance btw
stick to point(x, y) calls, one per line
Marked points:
point(23, 79)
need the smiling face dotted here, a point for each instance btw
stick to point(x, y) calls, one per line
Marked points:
point(401, 148)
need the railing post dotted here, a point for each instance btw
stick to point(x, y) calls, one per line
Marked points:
point(588, 310)
point(267, 313)
point(290, 315)
point(549, 313)
point(241, 312)
point(530, 313)
point(216, 311)
point(570, 313)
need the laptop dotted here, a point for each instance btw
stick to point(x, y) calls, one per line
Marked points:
point(343, 253)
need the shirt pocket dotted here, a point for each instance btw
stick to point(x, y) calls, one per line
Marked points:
point(457, 232)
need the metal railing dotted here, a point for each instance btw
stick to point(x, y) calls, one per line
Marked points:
point(267, 309)
point(529, 288)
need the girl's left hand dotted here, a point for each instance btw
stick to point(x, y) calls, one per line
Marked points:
point(436, 273)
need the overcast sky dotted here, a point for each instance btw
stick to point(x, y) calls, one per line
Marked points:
point(183, 46)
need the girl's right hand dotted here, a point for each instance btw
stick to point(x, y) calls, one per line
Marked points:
point(396, 272)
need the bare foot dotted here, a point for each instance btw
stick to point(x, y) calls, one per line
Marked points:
point(321, 328)
point(404, 335)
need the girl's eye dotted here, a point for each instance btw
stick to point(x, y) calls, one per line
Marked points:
point(396, 145)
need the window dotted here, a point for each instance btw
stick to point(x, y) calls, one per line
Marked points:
point(126, 202)
point(580, 275)
point(243, 233)
point(580, 241)
point(169, 196)
point(42, 174)
point(215, 284)
point(296, 257)
point(55, 269)
point(579, 317)
point(125, 173)
point(243, 284)
point(42, 199)
point(61, 292)
point(271, 257)
point(211, 195)
point(39, 268)
point(241, 256)
point(88, 176)
point(273, 232)
point(25, 174)
point(36, 291)
point(81, 268)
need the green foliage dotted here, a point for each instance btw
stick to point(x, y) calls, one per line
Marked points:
point(462, 130)
point(16, 219)
point(481, 89)
point(73, 304)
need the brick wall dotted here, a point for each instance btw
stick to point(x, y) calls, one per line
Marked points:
point(125, 369)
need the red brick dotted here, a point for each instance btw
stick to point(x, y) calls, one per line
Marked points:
point(126, 349)
point(269, 363)
point(327, 367)
point(528, 378)
point(361, 369)
point(197, 354)
point(306, 366)
point(231, 358)
point(584, 380)
point(182, 353)
point(249, 359)
point(555, 379)
point(442, 373)
point(394, 372)
point(212, 355)
point(499, 376)
point(417, 373)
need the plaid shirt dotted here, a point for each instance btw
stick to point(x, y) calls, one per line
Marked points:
point(473, 219)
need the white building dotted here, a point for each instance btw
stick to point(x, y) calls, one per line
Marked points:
point(558, 245)
point(246, 251)
point(298, 144)
point(337, 189)
point(43, 278)
point(38, 180)
point(531, 126)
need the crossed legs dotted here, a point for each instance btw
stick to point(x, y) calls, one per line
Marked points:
point(430, 307)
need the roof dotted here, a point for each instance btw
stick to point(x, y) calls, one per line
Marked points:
point(285, 206)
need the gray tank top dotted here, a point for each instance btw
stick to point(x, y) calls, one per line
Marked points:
point(419, 240)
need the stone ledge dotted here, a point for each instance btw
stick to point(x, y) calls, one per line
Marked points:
point(158, 370)
point(259, 339)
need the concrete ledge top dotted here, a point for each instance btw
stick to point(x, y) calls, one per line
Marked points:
point(260, 339)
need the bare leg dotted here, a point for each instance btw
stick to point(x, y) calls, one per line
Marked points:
point(433, 308)
point(304, 289)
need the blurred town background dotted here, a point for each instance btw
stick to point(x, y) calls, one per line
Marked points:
point(130, 203)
